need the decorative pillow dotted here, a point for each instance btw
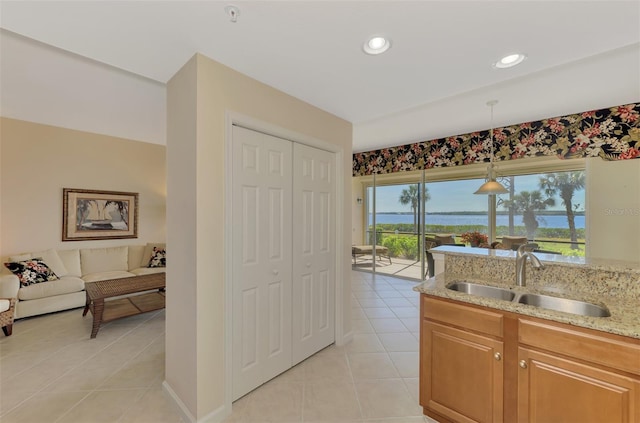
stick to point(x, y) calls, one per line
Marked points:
point(158, 258)
point(148, 252)
point(31, 271)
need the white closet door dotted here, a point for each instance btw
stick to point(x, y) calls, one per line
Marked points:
point(262, 180)
point(314, 255)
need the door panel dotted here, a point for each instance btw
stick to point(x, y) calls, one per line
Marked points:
point(313, 251)
point(596, 395)
point(261, 245)
point(452, 355)
point(283, 225)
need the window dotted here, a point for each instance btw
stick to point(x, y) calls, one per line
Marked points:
point(547, 208)
point(545, 204)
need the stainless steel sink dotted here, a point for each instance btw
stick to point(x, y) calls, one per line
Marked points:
point(561, 304)
point(482, 290)
point(537, 300)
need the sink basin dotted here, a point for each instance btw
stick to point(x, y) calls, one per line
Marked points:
point(562, 304)
point(482, 290)
point(537, 300)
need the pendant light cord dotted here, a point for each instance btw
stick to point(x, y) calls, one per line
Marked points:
point(491, 103)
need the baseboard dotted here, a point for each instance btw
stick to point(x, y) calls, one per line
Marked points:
point(346, 338)
point(215, 416)
point(186, 415)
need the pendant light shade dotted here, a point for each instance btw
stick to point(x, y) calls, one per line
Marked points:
point(491, 187)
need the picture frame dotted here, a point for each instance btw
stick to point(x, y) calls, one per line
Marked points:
point(97, 215)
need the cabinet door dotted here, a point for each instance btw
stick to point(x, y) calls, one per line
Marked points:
point(553, 389)
point(462, 374)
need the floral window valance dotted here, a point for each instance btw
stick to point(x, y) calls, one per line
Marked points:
point(613, 134)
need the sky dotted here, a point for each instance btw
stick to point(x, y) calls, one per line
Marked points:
point(458, 196)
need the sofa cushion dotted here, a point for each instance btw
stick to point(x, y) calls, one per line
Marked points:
point(31, 271)
point(148, 252)
point(103, 276)
point(148, 270)
point(135, 256)
point(52, 259)
point(21, 257)
point(64, 285)
point(97, 260)
point(158, 258)
point(71, 260)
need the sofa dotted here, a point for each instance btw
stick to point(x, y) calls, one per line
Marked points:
point(72, 269)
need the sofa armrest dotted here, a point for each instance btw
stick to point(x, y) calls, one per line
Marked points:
point(9, 286)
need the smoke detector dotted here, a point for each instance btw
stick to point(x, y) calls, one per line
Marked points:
point(233, 12)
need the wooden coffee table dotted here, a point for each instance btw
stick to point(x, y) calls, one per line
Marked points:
point(107, 311)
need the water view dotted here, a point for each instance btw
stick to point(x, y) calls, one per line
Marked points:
point(544, 221)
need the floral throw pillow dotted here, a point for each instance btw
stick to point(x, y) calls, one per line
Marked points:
point(31, 271)
point(158, 258)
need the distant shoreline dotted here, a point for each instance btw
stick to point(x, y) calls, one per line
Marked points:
point(479, 213)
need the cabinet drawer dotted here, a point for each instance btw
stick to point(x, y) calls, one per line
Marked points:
point(464, 316)
point(588, 346)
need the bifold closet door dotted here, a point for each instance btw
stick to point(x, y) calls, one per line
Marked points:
point(314, 215)
point(262, 232)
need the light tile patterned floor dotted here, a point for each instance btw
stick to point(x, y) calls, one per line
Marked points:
point(51, 372)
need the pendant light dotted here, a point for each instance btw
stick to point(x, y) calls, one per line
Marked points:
point(491, 187)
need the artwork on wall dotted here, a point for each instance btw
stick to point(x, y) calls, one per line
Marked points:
point(91, 214)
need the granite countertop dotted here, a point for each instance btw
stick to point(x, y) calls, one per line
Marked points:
point(592, 263)
point(624, 319)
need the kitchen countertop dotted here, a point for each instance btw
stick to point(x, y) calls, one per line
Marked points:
point(622, 304)
point(593, 263)
point(624, 319)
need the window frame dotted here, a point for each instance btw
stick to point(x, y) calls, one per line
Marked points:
point(519, 167)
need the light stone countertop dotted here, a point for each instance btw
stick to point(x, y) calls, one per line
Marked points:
point(593, 263)
point(616, 287)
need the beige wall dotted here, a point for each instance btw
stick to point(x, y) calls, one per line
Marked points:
point(613, 203)
point(196, 165)
point(38, 161)
point(182, 325)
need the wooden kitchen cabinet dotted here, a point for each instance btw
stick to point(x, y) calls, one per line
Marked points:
point(553, 389)
point(461, 371)
point(485, 365)
point(566, 375)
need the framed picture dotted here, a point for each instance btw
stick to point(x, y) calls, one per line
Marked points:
point(90, 214)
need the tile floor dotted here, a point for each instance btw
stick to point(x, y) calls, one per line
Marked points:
point(50, 371)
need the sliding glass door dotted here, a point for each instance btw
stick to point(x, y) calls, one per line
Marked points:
point(400, 211)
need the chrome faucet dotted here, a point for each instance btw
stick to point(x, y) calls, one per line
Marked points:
point(526, 251)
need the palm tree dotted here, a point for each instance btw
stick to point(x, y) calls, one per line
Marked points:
point(411, 195)
point(565, 184)
point(529, 203)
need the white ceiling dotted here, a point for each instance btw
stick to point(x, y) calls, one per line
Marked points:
point(581, 54)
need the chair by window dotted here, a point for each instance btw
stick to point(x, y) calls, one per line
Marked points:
point(513, 242)
point(436, 241)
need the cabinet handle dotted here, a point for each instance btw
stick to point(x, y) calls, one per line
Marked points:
point(497, 356)
point(523, 364)
point(308, 264)
point(275, 271)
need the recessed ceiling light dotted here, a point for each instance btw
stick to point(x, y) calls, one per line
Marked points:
point(510, 61)
point(376, 45)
